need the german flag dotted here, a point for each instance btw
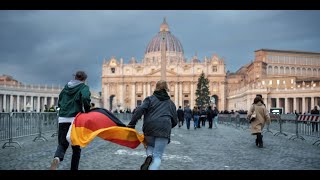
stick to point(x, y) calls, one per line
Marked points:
point(102, 123)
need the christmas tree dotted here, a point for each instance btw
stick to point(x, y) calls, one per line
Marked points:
point(202, 92)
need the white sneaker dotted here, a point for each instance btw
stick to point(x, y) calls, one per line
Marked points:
point(54, 164)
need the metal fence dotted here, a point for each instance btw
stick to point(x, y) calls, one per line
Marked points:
point(16, 125)
point(285, 124)
point(21, 124)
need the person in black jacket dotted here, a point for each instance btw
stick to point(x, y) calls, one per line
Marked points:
point(211, 114)
point(160, 116)
point(180, 116)
point(314, 124)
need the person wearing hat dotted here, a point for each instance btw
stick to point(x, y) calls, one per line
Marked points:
point(160, 116)
point(75, 97)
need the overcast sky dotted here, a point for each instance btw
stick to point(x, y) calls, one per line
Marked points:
point(47, 47)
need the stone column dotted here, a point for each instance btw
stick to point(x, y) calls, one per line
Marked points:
point(148, 88)
point(11, 103)
point(45, 102)
point(25, 103)
point(286, 110)
point(31, 102)
point(303, 105)
point(106, 96)
point(180, 94)
point(312, 102)
point(295, 104)
point(52, 101)
point(192, 95)
point(133, 96)
point(268, 103)
point(1, 103)
point(223, 96)
point(38, 103)
point(176, 91)
point(121, 95)
point(144, 91)
point(18, 103)
point(4, 103)
point(277, 102)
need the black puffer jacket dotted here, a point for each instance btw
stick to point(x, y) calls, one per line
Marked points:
point(160, 115)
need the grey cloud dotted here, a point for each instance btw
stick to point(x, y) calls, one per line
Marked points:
point(41, 47)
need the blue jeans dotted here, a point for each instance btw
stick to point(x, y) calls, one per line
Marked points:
point(188, 122)
point(195, 120)
point(155, 147)
point(215, 120)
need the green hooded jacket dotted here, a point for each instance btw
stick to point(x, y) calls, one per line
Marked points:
point(73, 97)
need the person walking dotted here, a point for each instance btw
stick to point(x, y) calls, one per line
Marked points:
point(180, 114)
point(211, 114)
point(215, 118)
point(196, 115)
point(75, 97)
point(262, 117)
point(315, 124)
point(160, 116)
point(187, 115)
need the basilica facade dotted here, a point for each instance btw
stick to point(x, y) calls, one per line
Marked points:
point(125, 85)
point(286, 79)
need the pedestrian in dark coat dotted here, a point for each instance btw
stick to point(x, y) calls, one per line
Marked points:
point(160, 116)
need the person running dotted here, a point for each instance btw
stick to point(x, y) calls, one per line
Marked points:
point(160, 116)
point(75, 97)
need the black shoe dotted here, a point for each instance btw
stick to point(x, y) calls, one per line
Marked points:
point(146, 164)
point(260, 145)
point(260, 141)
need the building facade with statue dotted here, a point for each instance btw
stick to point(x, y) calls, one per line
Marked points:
point(125, 85)
point(286, 79)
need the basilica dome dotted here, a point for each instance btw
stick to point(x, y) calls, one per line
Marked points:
point(174, 49)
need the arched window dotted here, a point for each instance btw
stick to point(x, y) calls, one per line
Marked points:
point(270, 70)
point(287, 70)
point(276, 70)
point(293, 71)
point(304, 72)
point(314, 72)
point(281, 70)
point(298, 71)
point(309, 72)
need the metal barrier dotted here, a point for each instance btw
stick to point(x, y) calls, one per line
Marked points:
point(6, 130)
point(309, 125)
point(21, 124)
point(123, 116)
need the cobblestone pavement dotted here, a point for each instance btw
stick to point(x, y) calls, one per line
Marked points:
point(225, 148)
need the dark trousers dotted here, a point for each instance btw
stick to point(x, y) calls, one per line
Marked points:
point(203, 121)
point(210, 122)
point(188, 122)
point(63, 145)
point(199, 122)
point(313, 124)
point(181, 122)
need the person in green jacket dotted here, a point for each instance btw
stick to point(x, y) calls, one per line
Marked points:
point(74, 98)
